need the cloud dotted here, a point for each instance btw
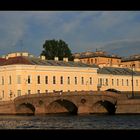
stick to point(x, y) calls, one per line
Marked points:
point(82, 30)
point(124, 47)
point(12, 29)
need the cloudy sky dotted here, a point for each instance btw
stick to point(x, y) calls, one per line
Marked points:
point(112, 31)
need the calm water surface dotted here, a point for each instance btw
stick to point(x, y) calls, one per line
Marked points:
point(70, 122)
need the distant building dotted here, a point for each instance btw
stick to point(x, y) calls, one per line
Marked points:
point(99, 58)
point(132, 61)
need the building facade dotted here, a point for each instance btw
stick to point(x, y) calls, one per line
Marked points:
point(102, 59)
point(23, 74)
point(118, 78)
point(132, 61)
point(99, 58)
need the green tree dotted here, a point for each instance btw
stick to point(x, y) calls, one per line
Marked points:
point(56, 48)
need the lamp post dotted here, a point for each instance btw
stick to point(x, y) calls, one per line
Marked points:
point(132, 81)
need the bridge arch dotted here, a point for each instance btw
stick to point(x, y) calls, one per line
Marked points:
point(25, 108)
point(62, 106)
point(104, 106)
point(113, 90)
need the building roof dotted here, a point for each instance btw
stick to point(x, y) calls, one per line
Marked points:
point(2, 60)
point(95, 54)
point(117, 71)
point(131, 59)
point(37, 61)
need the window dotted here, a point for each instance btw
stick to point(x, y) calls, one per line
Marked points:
point(91, 61)
point(90, 80)
point(117, 82)
point(18, 79)
point(46, 79)
point(106, 82)
point(122, 83)
point(38, 79)
point(19, 93)
point(95, 60)
point(29, 79)
point(136, 82)
point(10, 80)
point(10, 93)
point(75, 80)
point(3, 94)
point(100, 81)
point(38, 91)
point(112, 82)
point(68, 80)
point(127, 82)
point(29, 92)
point(61, 80)
point(2, 80)
point(82, 80)
point(54, 80)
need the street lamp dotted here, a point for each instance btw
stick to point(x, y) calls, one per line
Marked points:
point(132, 81)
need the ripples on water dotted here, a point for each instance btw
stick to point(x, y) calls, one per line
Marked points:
point(71, 122)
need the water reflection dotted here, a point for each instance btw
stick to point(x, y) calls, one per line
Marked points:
point(65, 121)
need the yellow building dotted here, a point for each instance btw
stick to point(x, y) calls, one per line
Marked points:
point(99, 58)
point(132, 61)
point(118, 78)
point(22, 73)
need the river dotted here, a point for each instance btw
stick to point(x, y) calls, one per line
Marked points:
point(71, 122)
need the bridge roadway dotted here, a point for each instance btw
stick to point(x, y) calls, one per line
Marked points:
point(68, 102)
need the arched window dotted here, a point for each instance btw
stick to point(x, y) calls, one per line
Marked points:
point(61, 80)
point(46, 79)
point(82, 80)
point(75, 80)
point(54, 80)
point(68, 80)
point(112, 82)
point(127, 83)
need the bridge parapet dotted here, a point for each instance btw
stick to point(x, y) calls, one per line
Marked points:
point(75, 93)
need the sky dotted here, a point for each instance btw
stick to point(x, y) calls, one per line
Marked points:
point(116, 32)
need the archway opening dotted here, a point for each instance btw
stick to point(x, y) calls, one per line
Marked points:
point(104, 107)
point(114, 90)
point(62, 106)
point(25, 109)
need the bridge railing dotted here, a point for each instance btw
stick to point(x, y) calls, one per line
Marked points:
point(75, 93)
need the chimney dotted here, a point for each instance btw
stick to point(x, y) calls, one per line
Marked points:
point(56, 58)
point(65, 59)
point(76, 60)
point(42, 57)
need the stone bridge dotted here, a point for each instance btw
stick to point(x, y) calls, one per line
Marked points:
point(67, 102)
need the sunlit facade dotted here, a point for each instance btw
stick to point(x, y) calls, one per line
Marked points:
point(23, 74)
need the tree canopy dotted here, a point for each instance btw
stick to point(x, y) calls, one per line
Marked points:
point(56, 48)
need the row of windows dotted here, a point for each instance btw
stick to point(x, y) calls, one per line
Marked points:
point(28, 81)
point(101, 81)
point(126, 82)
